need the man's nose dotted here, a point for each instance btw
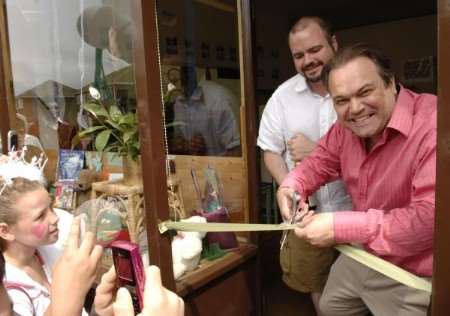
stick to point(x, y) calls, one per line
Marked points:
point(355, 106)
point(308, 59)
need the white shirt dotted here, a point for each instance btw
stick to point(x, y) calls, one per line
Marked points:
point(294, 108)
point(38, 293)
point(208, 112)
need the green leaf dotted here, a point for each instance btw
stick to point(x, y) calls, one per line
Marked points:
point(115, 113)
point(90, 130)
point(129, 119)
point(114, 125)
point(96, 109)
point(102, 139)
point(127, 136)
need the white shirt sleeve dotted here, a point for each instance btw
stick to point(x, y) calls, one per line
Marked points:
point(271, 136)
point(227, 131)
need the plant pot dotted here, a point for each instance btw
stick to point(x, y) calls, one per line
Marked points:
point(131, 169)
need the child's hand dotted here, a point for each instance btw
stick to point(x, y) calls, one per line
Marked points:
point(157, 299)
point(104, 294)
point(74, 272)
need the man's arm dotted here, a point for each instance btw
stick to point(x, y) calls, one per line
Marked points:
point(403, 231)
point(276, 166)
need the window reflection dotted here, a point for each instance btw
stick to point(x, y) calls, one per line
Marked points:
point(58, 50)
point(201, 83)
point(200, 118)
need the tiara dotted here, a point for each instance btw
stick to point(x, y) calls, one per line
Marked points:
point(16, 166)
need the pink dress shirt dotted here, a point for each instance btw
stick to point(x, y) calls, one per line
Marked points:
point(392, 186)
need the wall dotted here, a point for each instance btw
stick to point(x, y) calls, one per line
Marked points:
point(400, 40)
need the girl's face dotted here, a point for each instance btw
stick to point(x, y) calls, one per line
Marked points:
point(36, 222)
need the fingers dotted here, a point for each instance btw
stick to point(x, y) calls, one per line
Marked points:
point(307, 219)
point(96, 254)
point(108, 281)
point(300, 232)
point(74, 234)
point(153, 284)
point(284, 197)
point(88, 243)
point(123, 305)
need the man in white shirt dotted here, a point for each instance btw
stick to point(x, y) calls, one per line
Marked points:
point(204, 122)
point(299, 112)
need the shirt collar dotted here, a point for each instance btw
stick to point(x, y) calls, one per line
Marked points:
point(402, 115)
point(197, 96)
point(301, 87)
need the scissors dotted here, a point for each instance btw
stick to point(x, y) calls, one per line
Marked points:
point(292, 220)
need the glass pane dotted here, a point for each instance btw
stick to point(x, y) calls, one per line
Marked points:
point(201, 87)
point(74, 89)
point(200, 75)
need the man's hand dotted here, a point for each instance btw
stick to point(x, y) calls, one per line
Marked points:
point(197, 146)
point(285, 196)
point(178, 145)
point(317, 229)
point(299, 147)
point(74, 272)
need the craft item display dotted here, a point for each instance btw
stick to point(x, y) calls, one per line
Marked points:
point(211, 206)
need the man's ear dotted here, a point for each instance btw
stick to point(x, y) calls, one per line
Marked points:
point(393, 85)
point(6, 233)
point(334, 43)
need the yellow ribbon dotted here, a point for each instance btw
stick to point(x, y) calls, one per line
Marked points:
point(388, 269)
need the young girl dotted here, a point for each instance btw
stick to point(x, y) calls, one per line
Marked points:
point(28, 222)
point(28, 234)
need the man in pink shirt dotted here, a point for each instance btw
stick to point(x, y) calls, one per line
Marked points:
point(384, 149)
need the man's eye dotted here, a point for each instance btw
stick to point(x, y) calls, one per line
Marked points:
point(340, 102)
point(365, 93)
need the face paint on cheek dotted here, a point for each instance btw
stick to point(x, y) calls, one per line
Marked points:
point(39, 230)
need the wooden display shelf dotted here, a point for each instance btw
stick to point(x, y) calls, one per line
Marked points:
point(210, 270)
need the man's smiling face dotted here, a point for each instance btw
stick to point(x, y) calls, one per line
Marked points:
point(362, 100)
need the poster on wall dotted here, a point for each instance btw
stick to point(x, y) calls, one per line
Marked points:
point(418, 70)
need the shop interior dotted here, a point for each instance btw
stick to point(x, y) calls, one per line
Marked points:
point(75, 74)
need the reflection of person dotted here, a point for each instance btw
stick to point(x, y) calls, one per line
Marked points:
point(204, 123)
point(299, 112)
point(384, 148)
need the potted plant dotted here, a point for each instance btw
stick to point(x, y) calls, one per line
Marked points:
point(113, 131)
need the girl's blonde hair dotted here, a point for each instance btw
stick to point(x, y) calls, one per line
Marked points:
point(9, 197)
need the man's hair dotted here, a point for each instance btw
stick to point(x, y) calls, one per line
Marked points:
point(347, 54)
point(305, 21)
